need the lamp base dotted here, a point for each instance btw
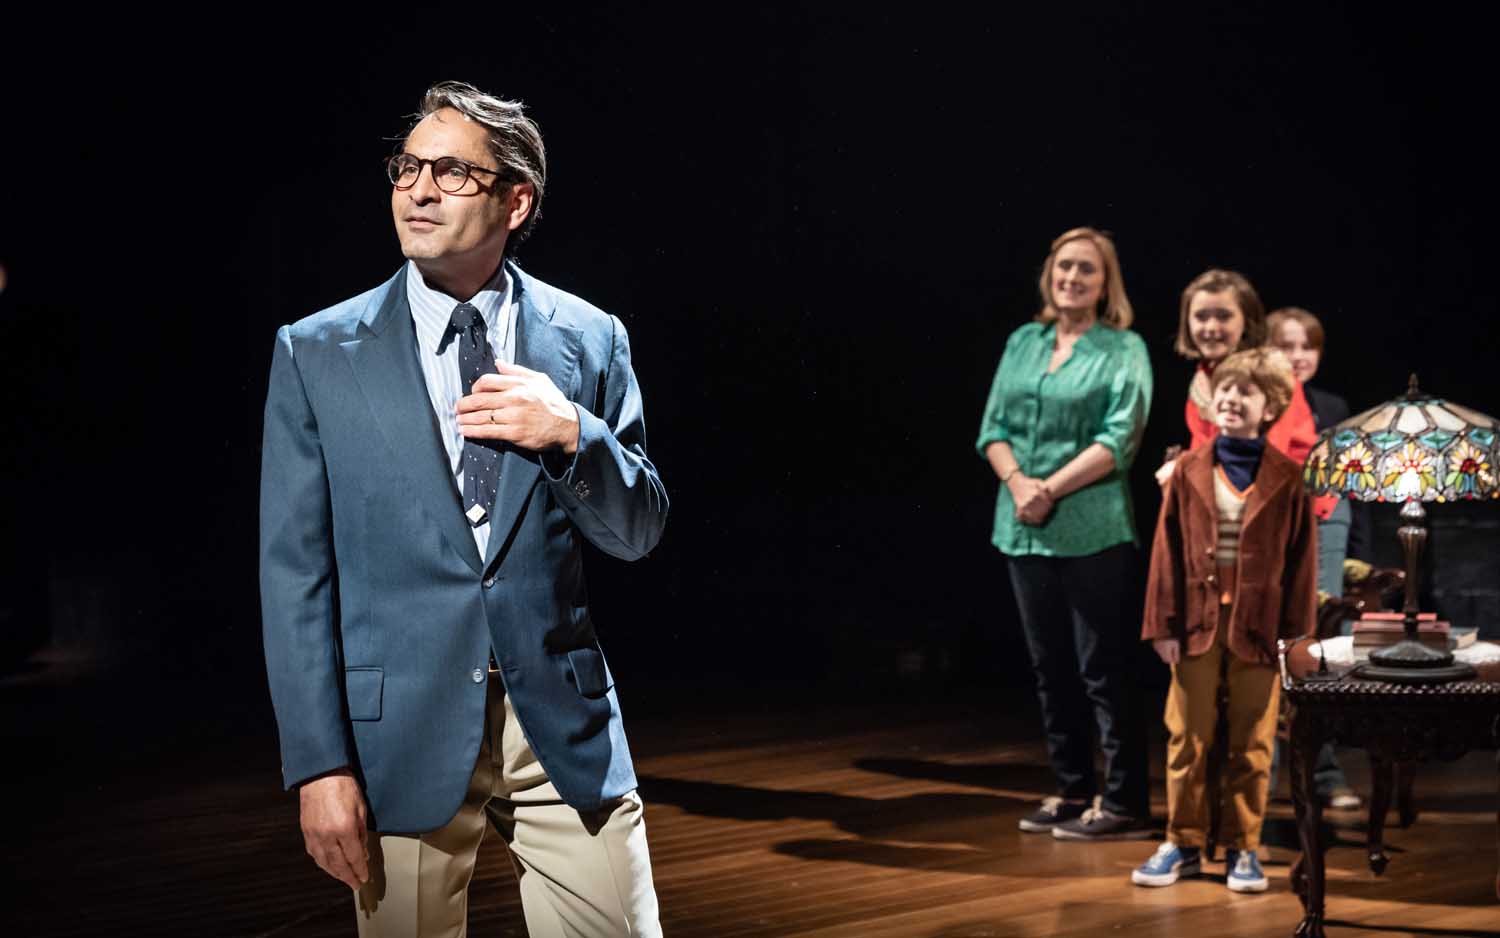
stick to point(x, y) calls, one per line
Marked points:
point(1411, 662)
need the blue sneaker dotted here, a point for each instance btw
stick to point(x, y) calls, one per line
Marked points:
point(1243, 871)
point(1167, 865)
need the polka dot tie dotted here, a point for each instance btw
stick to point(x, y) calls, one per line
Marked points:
point(481, 457)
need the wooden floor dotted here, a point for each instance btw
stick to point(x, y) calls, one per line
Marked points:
point(886, 821)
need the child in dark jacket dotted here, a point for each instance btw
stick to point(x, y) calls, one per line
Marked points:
point(1233, 568)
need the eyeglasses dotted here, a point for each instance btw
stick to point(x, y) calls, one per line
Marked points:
point(449, 172)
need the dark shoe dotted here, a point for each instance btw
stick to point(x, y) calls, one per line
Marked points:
point(1100, 823)
point(1054, 811)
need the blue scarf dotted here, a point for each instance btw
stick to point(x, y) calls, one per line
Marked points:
point(1240, 458)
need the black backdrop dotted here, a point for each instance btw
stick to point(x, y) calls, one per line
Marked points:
point(818, 228)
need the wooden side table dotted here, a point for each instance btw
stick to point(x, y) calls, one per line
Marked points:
point(1398, 725)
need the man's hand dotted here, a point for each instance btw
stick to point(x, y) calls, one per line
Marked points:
point(333, 827)
point(1169, 650)
point(1033, 501)
point(519, 406)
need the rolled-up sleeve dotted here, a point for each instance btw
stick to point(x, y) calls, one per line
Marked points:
point(992, 428)
point(1129, 403)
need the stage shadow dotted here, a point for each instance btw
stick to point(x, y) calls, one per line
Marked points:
point(1472, 890)
point(891, 856)
point(1066, 920)
point(1467, 802)
point(1282, 832)
point(1411, 929)
point(1025, 776)
point(975, 832)
point(939, 817)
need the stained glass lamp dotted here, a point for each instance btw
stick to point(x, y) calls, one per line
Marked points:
point(1414, 449)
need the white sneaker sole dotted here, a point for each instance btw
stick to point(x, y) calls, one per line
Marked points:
point(1248, 885)
point(1166, 879)
point(1134, 833)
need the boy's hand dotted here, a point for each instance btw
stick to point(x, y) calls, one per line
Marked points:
point(1169, 650)
point(1168, 465)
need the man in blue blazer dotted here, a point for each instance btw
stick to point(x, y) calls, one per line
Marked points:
point(435, 451)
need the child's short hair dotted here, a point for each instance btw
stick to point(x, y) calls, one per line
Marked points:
point(1310, 324)
point(1267, 369)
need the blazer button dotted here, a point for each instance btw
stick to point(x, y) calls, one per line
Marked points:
point(582, 489)
point(478, 675)
point(1211, 580)
point(489, 582)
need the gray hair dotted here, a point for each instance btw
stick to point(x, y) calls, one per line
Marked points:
point(515, 140)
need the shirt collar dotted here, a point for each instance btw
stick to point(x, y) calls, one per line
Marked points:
point(1087, 338)
point(432, 309)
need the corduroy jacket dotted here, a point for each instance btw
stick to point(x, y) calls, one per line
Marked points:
point(1276, 574)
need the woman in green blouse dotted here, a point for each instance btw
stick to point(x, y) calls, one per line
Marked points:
point(1061, 427)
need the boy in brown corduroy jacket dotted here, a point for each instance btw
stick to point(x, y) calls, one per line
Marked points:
point(1233, 568)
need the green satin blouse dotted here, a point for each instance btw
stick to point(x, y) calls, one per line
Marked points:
point(1100, 394)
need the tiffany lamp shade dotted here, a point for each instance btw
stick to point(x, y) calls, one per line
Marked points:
point(1414, 449)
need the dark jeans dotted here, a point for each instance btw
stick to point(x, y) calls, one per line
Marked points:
point(1082, 618)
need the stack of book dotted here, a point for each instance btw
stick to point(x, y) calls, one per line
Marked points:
point(1378, 629)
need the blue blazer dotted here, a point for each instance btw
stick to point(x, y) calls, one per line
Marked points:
point(379, 615)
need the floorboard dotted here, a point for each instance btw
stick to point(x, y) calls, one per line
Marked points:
point(888, 821)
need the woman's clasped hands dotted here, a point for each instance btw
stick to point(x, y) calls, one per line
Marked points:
point(1033, 501)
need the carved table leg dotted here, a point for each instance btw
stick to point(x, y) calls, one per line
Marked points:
point(1406, 806)
point(1381, 773)
point(1307, 874)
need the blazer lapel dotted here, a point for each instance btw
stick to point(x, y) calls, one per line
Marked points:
point(384, 358)
point(1268, 482)
point(1198, 472)
point(544, 346)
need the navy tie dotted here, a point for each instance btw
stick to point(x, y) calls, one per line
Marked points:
point(481, 457)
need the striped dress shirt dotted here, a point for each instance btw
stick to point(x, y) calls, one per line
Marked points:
point(431, 312)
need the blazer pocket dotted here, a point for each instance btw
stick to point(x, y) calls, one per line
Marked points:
point(590, 673)
point(363, 688)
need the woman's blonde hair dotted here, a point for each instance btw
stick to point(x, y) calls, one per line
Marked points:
point(1217, 281)
point(1310, 324)
point(1267, 369)
point(1116, 312)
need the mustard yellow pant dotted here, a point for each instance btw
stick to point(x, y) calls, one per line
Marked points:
point(1191, 715)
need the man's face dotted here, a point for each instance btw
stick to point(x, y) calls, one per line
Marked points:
point(454, 228)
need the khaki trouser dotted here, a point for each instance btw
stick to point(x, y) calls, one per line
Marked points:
point(582, 875)
point(1254, 693)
